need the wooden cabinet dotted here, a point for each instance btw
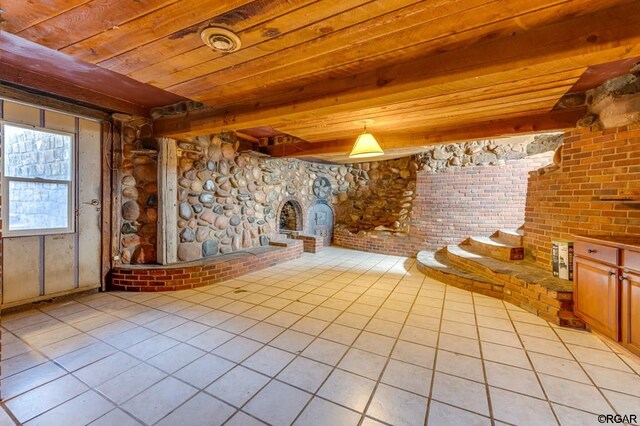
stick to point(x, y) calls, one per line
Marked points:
point(595, 296)
point(630, 303)
point(607, 287)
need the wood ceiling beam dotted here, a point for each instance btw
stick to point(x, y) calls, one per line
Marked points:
point(28, 64)
point(577, 42)
point(390, 142)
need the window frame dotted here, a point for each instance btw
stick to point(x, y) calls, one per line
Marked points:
point(71, 185)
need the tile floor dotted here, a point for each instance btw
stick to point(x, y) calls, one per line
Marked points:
point(337, 338)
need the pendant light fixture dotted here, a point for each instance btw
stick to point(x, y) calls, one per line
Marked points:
point(366, 145)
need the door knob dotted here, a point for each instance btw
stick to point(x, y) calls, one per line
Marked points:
point(94, 202)
point(622, 278)
point(592, 250)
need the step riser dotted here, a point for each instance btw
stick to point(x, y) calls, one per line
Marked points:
point(487, 289)
point(509, 239)
point(497, 252)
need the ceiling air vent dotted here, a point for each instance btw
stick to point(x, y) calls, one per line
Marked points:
point(220, 39)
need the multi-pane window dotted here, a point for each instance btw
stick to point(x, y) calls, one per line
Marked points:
point(37, 181)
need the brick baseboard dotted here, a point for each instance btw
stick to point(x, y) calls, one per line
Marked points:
point(203, 272)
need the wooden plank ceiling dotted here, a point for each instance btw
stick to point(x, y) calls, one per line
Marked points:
point(424, 71)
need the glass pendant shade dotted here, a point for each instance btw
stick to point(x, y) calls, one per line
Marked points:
point(366, 146)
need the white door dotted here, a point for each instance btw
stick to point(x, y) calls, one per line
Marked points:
point(42, 265)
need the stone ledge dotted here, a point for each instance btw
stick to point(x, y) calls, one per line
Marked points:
point(203, 272)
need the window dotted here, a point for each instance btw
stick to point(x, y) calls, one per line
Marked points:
point(37, 181)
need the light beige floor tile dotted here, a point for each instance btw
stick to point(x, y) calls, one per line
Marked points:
point(267, 404)
point(200, 409)
point(237, 324)
point(624, 403)
point(310, 326)
point(305, 373)
point(263, 332)
point(513, 379)
point(175, 358)
point(242, 419)
point(130, 337)
point(269, 361)
point(21, 362)
point(572, 417)
point(377, 344)
point(283, 319)
point(386, 328)
point(210, 339)
point(320, 412)
point(581, 338)
point(151, 347)
point(443, 414)
point(325, 351)
point(351, 319)
point(237, 349)
point(461, 393)
point(606, 378)
point(159, 400)
point(458, 344)
point(203, 371)
point(536, 330)
point(606, 358)
point(115, 417)
point(292, 341)
point(544, 346)
point(106, 368)
point(347, 389)
point(408, 377)
point(558, 367)
point(499, 336)
point(237, 386)
point(460, 365)
point(520, 409)
point(459, 329)
point(37, 401)
point(413, 353)
point(126, 385)
point(340, 334)
point(577, 395)
point(363, 363)
point(397, 407)
point(81, 410)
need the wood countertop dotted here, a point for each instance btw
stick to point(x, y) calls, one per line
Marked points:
point(622, 241)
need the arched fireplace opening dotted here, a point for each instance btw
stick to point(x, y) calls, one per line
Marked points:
point(290, 217)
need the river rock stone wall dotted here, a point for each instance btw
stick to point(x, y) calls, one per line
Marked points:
point(441, 158)
point(139, 194)
point(379, 198)
point(229, 201)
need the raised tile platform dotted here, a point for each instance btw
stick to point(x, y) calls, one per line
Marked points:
point(203, 272)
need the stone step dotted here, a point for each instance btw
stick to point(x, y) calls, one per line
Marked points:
point(511, 237)
point(495, 248)
point(524, 284)
point(437, 266)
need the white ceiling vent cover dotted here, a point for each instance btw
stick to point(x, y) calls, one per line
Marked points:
point(220, 39)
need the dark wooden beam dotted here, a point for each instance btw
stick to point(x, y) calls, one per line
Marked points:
point(33, 66)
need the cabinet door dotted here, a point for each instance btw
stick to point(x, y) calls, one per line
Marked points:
point(596, 296)
point(631, 312)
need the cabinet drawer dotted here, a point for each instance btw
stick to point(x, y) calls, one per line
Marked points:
point(631, 260)
point(596, 252)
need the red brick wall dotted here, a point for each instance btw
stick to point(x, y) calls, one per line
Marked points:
point(566, 202)
point(453, 205)
point(203, 272)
